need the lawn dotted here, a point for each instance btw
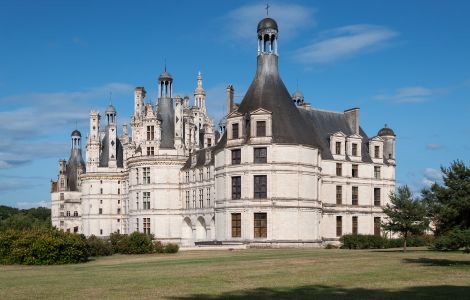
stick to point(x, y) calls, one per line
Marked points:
point(249, 274)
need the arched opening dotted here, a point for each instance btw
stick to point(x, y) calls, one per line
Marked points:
point(187, 233)
point(201, 231)
point(212, 227)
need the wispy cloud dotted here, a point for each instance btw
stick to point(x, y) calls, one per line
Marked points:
point(241, 22)
point(434, 146)
point(413, 94)
point(430, 176)
point(344, 42)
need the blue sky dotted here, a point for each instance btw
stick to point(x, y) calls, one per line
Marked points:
point(404, 63)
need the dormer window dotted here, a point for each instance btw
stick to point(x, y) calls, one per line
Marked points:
point(260, 128)
point(376, 151)
point(235, 131)
point(209, 142)
point(150, 133)
point(354, 149)
point(338, 148)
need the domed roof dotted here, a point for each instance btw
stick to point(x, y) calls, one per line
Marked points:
point(386, 131)
point(267, 23)
point(76, 133)
point(165, 76)
point(297, 94)
point(110, 110)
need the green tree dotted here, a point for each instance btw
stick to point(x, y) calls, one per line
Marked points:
point(449, 204)
point(406, 215)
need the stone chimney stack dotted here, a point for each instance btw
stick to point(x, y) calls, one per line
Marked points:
point(352, 116)
point(230, 91)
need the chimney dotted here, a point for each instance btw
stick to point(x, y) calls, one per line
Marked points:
point(352, 116)
point(229, 98)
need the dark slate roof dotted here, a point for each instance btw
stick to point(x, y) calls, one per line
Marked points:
point(200, 159)
point(110, 110)
point(166, 114)
point(74, 165)
point(267, 23)
point(328, 123)
point(165, 76)
point(104, 155)
point(76, 133)
point(386, 131)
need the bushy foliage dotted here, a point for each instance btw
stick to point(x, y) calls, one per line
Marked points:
point(453, 240)
point(159, 247)
point(363, 241)
point(135, 243)
point(42, 247)
point(98, 246)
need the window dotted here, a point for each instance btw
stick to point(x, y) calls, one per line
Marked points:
point(194, 175)
point(100, 211)
point(68, 213)
point(146, 200)
point(119, 221)
point(75, 213)
point(201, 198)
point(146, 174)
point(235, 131)
point(187, 176)
point(209, 142)
point(260, 128)
point(101, 191)
point(377, 196)
point(354, 225)
point(339, 169)
point(119, 201)
point(62, 182)
point(137, 225)
point(61, 196)
point(339, 194)
point(101, 201)
point(355, 195)
point(137, 200)
point(61, 214)
point(260, 156)
point(101, 231)
point(208, 197)
point(137, 175)
point(260, 225)
point(150, 151)
point(62, 206)
point(62, 222)
point(236, 225)
point(118, 211)
point(201, 175)
point(260, 186)
point(236, 187)
point(187, 199)
point(377, 151)
point(355, 171)
point(354, 149)
point(236, 156)
point(338, 148)
point(150, 133)
point(75, 229)
point(339, 226)
point(376, 225)
point(194, 198)
point(208, 173)
point(119, 191)
point(376, 172)
point(147, 225)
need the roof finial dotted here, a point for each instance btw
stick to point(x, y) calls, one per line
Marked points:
point(267, 9)
point(385, 125)
point(165, 64)
point(110, 98)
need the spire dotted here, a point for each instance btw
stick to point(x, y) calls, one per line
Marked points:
point(199, 93)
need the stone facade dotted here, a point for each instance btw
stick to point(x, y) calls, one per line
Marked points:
point(276, 173)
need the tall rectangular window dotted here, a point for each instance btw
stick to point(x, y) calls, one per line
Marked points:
point(194, 198)
point(187, 199)
point(376, 225)
point(209, 142)
point(208, 197)
point(354, 149)
point(339, 194)
point(137, 200)
point(201, 198)
point(62, 196)
point(236, 225)
point(355, 171)
point(377, 151)
point(235, 131)
point(236, 187)
point(147, 225)
point(339, 169)
point(208, 173)
point(201, 175)
point(146, 175)
point(354, 225)
point(261, 155)
point(187, 176)
point(100, 211)
point(376, 172)
point(236, 156)
point(338, 148)
point(146, 200)
point(377, 196)
point(137, 179)
point(339, 226)
point(150, 151)
point(150, 133)
point(260, 128)
point(260, 225)
point(355, 195)
point(260, 186)
point(137, 225)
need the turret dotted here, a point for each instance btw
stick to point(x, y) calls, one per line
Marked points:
point(139, 96)
point(111, 136)
point(75, 164)
point(93, 142)
point(200, 94)
point(389, 137)
point(165, 111)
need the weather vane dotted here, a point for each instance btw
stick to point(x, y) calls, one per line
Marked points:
point(267, 9)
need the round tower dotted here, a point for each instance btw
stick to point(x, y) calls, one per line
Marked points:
point(267, 36)
point(388, 135)
point(165, 85)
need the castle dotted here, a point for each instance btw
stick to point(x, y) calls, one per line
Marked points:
point(276, 172)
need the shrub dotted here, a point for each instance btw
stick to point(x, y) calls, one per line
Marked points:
point(159, 247)
point(99, 247)
point(43, 247)
point(171, 248)
point(135, 243)
point(362, 241)
point(453, 240)
point(331, 246)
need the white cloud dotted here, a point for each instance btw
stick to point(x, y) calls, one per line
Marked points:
point(434, 146)
point(291, 18)
point(344, 42)
point(26, 205)
point(413, 94)
point(431, 176)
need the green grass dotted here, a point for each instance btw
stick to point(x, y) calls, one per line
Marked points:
point(249, 274)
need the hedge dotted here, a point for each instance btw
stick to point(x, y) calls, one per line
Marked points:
point(453, 240)
point(362, 241)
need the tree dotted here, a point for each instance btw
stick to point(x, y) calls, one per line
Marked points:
point(405, 215)
point(449, 204)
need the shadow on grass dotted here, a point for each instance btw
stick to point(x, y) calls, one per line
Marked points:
point(330, 292)
point(437, 262)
